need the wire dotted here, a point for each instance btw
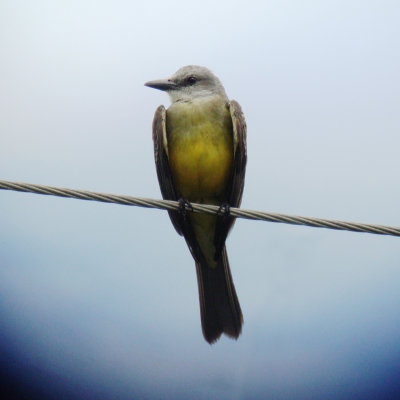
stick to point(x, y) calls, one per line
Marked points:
point(200, 208)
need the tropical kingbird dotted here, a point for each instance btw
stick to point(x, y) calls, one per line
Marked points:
point(200, 154)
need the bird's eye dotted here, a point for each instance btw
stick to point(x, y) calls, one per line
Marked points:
point(191, 80)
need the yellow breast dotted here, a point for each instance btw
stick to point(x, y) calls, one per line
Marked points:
point(200, 149)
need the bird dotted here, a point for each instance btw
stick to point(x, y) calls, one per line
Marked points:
point(200, 153)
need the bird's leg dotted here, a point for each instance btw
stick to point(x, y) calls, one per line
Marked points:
point(184, 207)
point(224, 210)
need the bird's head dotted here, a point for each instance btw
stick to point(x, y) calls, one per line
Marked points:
point(189, 83)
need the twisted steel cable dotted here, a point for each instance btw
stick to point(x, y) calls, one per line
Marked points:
point(200, 208)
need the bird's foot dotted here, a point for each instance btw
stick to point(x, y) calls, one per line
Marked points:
point(184, 207)
point(224, 210)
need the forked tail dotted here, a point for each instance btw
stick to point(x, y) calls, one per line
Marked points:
point(219, 305)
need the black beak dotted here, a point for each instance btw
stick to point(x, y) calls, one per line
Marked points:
point(162, 84)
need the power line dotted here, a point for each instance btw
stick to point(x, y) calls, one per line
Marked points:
point(200, 208)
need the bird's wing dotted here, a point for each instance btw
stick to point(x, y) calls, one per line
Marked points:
point(162, 164)
point(236, 183)
point(168, 191)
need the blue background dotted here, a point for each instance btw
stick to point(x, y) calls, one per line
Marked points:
point(100, 301)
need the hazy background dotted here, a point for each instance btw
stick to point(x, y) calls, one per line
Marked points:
point(99, 300)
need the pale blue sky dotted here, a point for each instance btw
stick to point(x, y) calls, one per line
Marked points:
point(101, 300)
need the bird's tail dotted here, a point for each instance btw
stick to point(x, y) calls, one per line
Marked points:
point(219, 306)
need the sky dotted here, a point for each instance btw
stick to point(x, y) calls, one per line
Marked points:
point(100, 300)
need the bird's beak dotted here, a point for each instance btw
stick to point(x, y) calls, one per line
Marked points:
point(162, 84)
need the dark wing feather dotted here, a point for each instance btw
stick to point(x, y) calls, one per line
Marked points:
point(162, 165)
point(236, 184)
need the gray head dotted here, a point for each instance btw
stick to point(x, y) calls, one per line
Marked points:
point(189, 83)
